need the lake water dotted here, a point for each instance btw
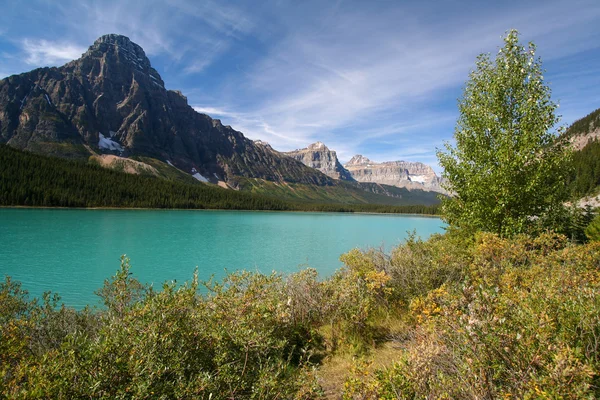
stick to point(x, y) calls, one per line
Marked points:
point(71, 252)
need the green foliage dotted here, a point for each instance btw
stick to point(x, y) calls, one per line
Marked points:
point(507, 167)
point(418, 266)
point(122, 291)
point(523, 323)
point(585, 175)
point(354, 297)
point(592, 231)
point(343, 192)
point(238, 340)
point(32, 180)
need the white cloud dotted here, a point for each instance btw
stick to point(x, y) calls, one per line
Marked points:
point(253, 125)
point(192, 35)
point(348, 78)
point(46, 53)
point(374, 79)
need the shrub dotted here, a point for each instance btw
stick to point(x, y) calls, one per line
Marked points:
point(418, 266)
point(354, 297)
point(592, 231)
point(236, 341)
point(523, 324)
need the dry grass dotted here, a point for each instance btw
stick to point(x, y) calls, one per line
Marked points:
point(127, 165)
point(337, 367)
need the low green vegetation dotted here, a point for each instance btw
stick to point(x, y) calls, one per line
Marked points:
point(520, 319)
point(28, 179)
point(341, 192)
point(459, 317)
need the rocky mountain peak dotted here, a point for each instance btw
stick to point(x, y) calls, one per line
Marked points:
point(359, 159)
point(112, 101)
point(406, 174)
point(119, 52)
point(263, 143)
point(112, 41)
point(318, 146)
point(318, 156)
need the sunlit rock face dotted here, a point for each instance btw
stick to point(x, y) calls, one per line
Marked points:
point(318, 156)
point(410, 175)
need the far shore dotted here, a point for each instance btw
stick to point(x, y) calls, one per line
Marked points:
point(214, 209)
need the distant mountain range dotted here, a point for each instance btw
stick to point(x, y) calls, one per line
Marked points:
point(112, 108)
point(403, 174)
point(318, 156)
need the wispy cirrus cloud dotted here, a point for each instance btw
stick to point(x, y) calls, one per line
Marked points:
point(378, 78)
point(189, 36)
point(44, 52)
point(361, 70)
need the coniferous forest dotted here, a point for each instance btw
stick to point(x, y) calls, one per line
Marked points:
point(28, 179)
point(585, 177)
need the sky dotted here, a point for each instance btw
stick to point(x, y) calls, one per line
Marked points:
point(378, 78)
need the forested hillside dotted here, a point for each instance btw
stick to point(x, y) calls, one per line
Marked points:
point(28, 179)
point(584, 125)
point(585, 176)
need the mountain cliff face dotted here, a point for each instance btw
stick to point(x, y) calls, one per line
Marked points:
point(402, 174)
point(112, 101)
point(410, 175)
point(318, 156)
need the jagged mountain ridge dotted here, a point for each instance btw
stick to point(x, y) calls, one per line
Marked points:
point(111, 100)
point(320, 157)
point(402, 174)
point(407, 174)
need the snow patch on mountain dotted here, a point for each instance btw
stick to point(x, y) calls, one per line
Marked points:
point(108, 144)
point(200, 177)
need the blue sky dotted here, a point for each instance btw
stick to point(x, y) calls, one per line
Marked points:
point(379, 78)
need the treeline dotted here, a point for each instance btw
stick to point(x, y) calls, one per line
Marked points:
point(365, 208)
point(28, 179)
point(585, 124)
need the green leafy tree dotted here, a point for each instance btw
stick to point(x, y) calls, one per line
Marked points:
point(592, 231)
point(507, 169)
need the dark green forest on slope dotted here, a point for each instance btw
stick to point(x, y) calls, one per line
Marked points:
point(585, 176)
point(28, 179)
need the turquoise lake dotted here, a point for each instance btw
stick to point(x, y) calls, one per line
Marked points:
point(71, 252)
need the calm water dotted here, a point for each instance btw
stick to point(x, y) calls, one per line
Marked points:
point(71, 252)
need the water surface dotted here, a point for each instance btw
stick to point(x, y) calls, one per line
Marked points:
point(71, 251)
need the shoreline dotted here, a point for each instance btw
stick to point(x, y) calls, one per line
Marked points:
point(212, 209)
